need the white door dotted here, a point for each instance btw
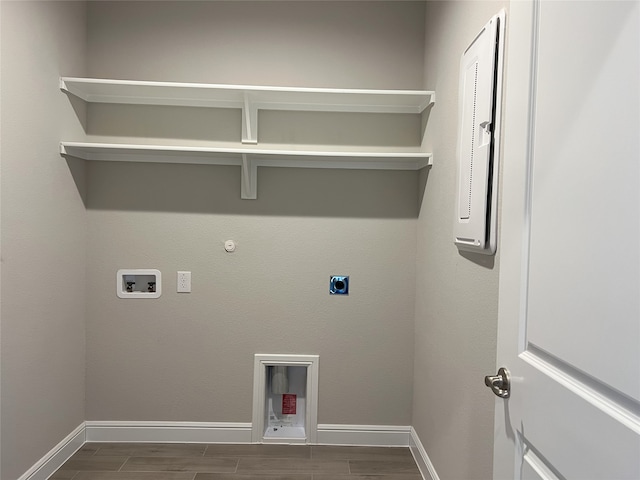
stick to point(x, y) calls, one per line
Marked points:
point(569, 307)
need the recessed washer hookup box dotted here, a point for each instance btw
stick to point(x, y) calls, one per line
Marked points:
point(138, 283)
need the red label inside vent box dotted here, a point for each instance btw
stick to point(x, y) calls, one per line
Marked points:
point(288, 404)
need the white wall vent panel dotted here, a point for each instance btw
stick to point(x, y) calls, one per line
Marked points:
point(478, 139)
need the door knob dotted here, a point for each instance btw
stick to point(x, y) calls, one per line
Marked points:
point(499, 384)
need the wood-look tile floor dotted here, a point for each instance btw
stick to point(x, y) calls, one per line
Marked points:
point(182, 461)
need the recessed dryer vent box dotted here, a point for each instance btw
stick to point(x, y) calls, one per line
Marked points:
point(138, 283)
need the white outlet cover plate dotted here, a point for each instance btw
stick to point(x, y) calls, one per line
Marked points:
point(184, 282)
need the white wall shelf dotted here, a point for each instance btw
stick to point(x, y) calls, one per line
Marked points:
point(250, 99)
point(247, 158)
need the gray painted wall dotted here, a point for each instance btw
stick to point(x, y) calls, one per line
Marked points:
point(189, 357)
point(457, 295)
point(311, 43)
point(43, 233)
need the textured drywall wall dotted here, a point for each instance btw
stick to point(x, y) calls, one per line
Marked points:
point(315, 44)
point(457, 295)
point(43, 233)
point(189, 357)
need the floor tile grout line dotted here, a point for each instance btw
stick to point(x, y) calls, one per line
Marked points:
point(123, 463)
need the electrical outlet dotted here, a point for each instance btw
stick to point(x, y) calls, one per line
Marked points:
point(184, 282)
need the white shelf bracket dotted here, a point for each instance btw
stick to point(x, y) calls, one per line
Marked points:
point(430, 100)
point(249, 182)
point(249, 121)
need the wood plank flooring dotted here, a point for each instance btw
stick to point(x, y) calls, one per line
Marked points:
point(186, 461)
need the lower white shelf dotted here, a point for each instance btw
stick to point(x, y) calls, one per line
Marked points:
point(247, 158)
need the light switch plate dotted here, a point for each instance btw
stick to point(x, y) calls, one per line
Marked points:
point(184, 282)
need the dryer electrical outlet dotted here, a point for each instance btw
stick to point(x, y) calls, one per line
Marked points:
point(479, 124)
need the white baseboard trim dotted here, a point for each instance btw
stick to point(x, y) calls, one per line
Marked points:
point(427, 469)
point(169, 432)
point(52, 461)
point(369, 435)
point(224, 432)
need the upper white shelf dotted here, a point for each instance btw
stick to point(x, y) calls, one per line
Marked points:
point(248, 98)
point(233, 96)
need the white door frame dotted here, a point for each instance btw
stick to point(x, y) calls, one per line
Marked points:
point(513, 232)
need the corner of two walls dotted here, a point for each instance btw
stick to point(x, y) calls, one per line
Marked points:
point(457, 294)
point(43, 233)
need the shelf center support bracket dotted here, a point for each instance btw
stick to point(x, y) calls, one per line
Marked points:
point(249, 121)
point(249, 181)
